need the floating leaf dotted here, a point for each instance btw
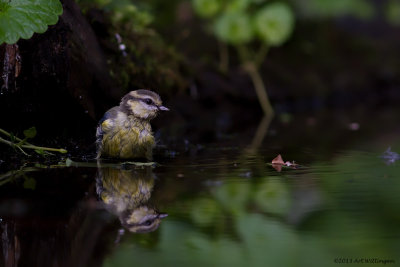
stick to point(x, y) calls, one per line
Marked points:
point(278, 160)
point(30, 133)
point(207, 8)
point(234, 28)
point(274, 23)
point(277, 163)
point(21, 18)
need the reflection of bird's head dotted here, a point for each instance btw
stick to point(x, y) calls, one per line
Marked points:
point(143, 104)
point(142, 219)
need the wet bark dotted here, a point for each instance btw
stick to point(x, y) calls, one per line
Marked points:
point(61, 75)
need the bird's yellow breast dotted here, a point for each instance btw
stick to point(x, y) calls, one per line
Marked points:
point(126, 137)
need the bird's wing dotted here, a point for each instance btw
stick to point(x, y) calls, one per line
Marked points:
point(105, 126)
point(106, 123)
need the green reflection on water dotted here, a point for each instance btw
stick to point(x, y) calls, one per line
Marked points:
point(345, 208)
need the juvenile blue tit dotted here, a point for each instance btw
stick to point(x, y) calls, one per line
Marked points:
point(125, 131)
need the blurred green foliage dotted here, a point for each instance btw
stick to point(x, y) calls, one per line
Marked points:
point(30, 133)
point(22, 18)
point(139, 57)
point(243, 21)
point(248, 219)
point(122, 12)
point(274, 24)
point(328, 8)
point(392, 11)
point(234, 28)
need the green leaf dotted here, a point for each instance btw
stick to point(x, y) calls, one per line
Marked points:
point(238, 5)
point(274, 23)
point(207, 8)
point(40, 152)
point(30, 133)
point(12, 138)
point(68, 162)
point(21, 18)
point(30, 183)
point(234, 28)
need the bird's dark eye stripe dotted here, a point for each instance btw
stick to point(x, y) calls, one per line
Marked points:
point(148, 101)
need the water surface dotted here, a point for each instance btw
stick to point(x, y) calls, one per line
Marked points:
point(225, 206)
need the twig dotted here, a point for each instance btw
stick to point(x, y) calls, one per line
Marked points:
point(25, 144)
point(13, 145)
point(9, 135)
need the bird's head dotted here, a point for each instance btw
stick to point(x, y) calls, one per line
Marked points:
point(143, 104)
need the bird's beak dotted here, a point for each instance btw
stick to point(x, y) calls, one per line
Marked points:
point(162, 215)
point(163, 108)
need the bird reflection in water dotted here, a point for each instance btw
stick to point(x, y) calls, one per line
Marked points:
point(126, 193)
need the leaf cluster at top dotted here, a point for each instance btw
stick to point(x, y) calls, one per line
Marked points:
point(22, 18)
point(242, 21)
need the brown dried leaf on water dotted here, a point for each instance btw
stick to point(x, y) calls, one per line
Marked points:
point(278, 160)
point(277, 163)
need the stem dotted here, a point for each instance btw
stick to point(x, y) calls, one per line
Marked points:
point(13, 145)
point(259, 86)
point(243, 53)
point(60, 150)
point(9, 135)
point(223, 57)
point(260, 55)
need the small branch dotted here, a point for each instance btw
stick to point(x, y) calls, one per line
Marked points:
point(9, 135)
point(24, 144)
point(13, 145)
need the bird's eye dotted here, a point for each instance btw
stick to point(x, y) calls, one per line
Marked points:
point(147, 223)
point(148, 101)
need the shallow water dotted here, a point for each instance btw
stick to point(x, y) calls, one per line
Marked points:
point(225, 207)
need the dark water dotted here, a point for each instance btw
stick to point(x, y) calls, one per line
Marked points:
point(225, 206)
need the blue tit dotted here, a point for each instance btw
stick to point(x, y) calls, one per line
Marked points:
point(125, 131)
point(126, 194)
